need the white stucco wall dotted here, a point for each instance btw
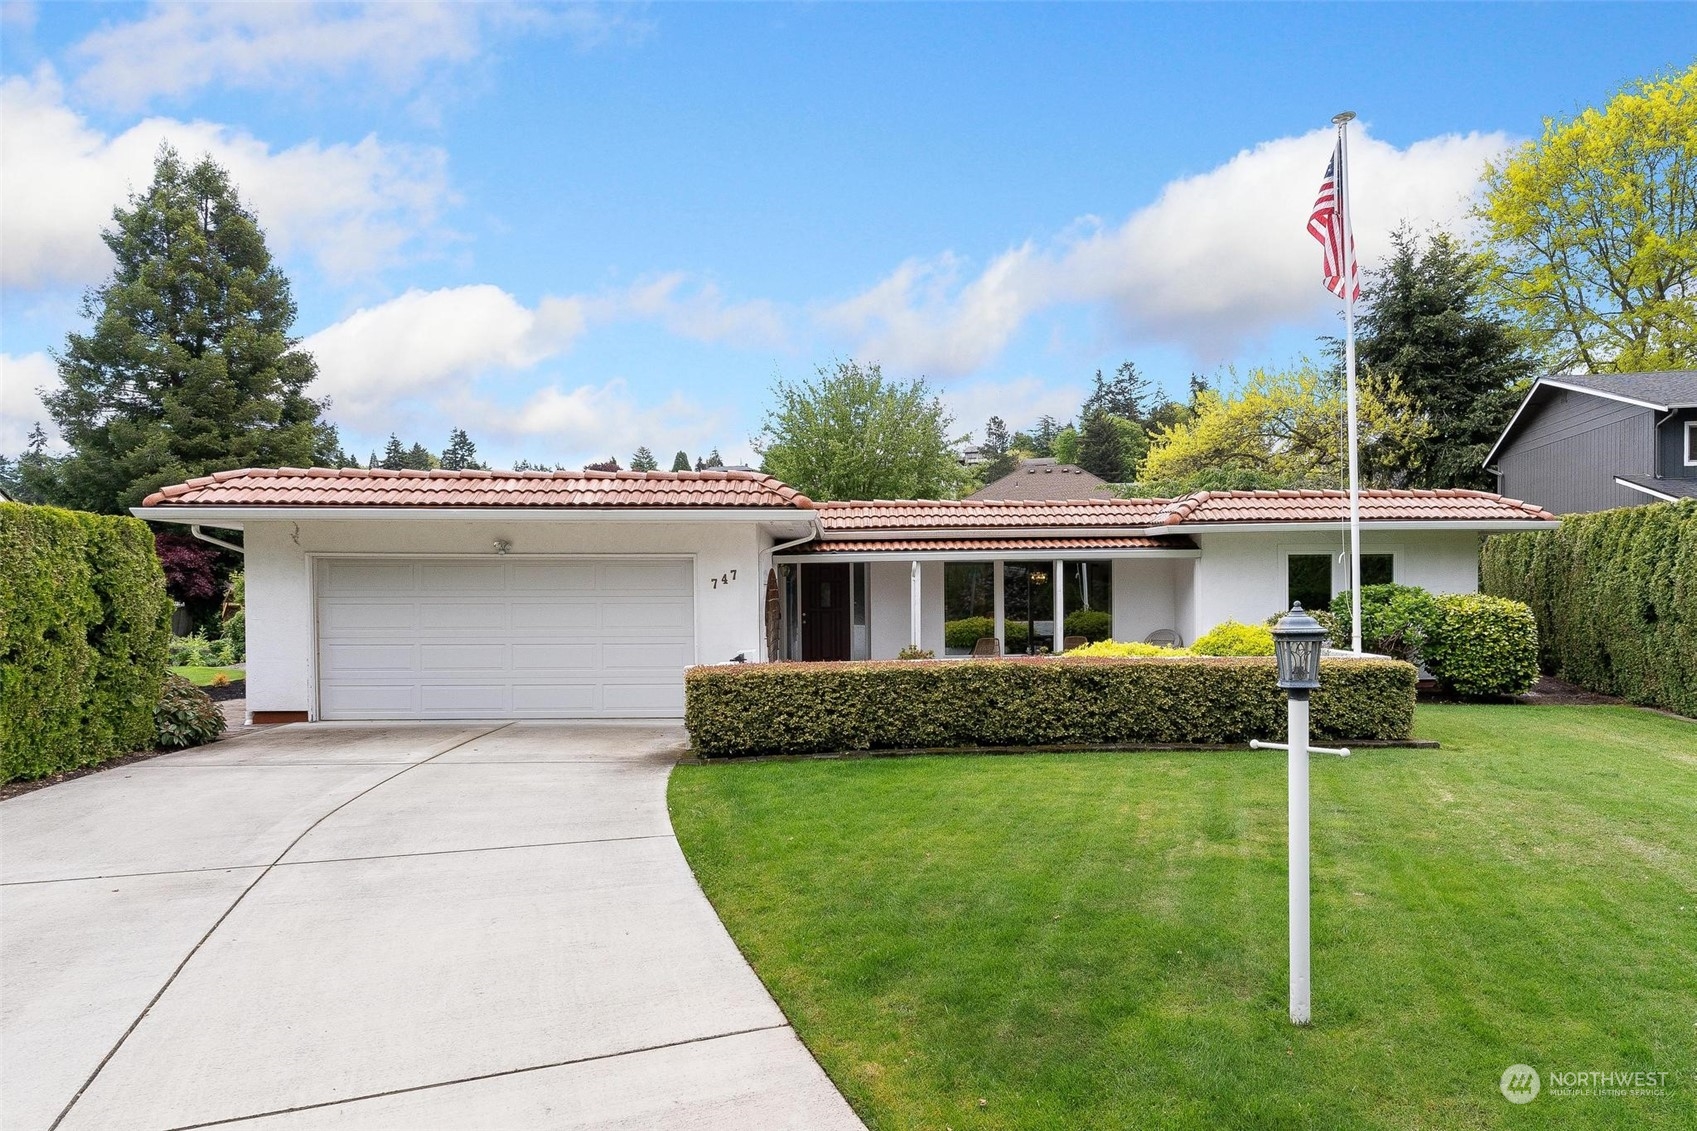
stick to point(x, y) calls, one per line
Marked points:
point(1145, 595)
point(889, 585)
point(280, 616)
point(1242, 576)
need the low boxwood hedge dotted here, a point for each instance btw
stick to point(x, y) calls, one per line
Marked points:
point(84, 627)
point(813, 708)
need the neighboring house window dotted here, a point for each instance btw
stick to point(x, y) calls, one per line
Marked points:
point(969, 605)
point(1309, 580)
point(1691, 443)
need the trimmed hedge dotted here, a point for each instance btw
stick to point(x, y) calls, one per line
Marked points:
point(1480, 645)
point(1233, 639)
point(815, 708)
point(84, 627)
point(1615, 598)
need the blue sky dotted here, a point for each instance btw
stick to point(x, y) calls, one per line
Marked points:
point(576, 229)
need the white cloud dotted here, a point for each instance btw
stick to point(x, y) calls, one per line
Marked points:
point(20, 403)
point(1218, 260)
point(353, 208)
point(424, 342)
point(175, 49)
point(699, 312)
point(578, 424)
point(1020, 402)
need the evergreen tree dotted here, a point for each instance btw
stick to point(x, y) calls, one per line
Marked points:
point(394, 455)
point(680, 462)
point(997, 448)
point(713, 460)
point(188, 367)
point(1127, 394)
point(1428, 327)
point(1101, 448)
point(461, 453)
point(643, 460)
point(611, 463)
point(419, 458)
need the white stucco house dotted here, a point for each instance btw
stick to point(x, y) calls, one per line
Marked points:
point(478, 594)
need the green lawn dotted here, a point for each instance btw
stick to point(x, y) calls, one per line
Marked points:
point(1099, 940)
point(202, 677)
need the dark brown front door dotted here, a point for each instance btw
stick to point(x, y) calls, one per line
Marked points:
point(824, 612)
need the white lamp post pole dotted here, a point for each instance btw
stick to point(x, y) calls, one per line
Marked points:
point(1297, 783)
point(1296, 645)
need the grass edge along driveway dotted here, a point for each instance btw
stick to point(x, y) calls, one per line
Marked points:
point(1098, 940)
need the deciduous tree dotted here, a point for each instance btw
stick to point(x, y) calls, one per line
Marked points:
point(852, 434)
point(1594, 231)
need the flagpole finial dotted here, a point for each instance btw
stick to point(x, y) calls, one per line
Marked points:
point(1340, 119)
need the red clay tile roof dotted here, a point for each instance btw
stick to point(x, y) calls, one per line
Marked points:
point(921, 545)
point(344, 487)
point(1333, 506)
point(933, 514)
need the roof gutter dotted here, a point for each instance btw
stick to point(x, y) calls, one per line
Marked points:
point(205, 537)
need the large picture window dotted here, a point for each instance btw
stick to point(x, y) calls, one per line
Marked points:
point(1089, 599)
point(969, 605)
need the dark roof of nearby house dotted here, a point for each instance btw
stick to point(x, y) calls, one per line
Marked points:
point(1045, 479)
point(354, 487)
point(1660, 391)
point(1668, 388)
point(1667, 488)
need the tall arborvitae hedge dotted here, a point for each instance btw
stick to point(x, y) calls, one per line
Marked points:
point(84, 628)
point(1615, 595)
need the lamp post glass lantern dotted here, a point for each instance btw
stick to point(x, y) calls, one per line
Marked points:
point(1296, 645)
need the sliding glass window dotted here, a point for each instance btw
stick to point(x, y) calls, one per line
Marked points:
point(969, 605)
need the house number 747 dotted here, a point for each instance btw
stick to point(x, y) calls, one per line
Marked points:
point(724, 579)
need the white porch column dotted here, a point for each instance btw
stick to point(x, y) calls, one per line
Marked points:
point(913, 605)
point(1060, 588)
point(1001, 605)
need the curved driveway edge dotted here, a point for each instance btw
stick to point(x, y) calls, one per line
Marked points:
point(381, 925)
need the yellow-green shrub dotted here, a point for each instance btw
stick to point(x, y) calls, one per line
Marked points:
point(1123, 648)
point(811, 708)
point(1233, 639)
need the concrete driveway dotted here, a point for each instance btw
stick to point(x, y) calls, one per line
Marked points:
point(381, 926)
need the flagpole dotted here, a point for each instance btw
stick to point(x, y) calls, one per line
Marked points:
point(1342, 121)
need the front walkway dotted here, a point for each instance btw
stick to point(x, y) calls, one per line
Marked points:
point(381, 925)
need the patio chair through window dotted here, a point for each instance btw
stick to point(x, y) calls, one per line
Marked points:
point(986, 647)
point(1165, 637)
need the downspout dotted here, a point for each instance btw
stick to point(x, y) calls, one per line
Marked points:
point(205, 537)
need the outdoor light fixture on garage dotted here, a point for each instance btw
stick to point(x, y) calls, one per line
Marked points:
point(1297, 639)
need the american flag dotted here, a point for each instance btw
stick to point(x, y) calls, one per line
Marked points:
point(1326, 224)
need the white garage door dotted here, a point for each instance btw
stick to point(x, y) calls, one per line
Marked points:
point(440, 638)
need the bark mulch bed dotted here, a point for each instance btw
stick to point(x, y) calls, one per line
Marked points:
point(14, 788)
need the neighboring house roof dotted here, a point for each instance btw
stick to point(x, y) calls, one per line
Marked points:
point(1333, 506)
point(356, 487)
point(1666, 490)
point(1045, 479)
point(1662, 391)
point(982, 514)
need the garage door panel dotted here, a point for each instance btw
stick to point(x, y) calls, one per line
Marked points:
point(675, 614)
point(563, 577)
point(555, 700)
point(475, 616)
point(563, 613)
point(560, 657)
point(462, 577)
point(663, 577)
point(650, 654)
point(456, 638)
point(339, 658)
point(462, 657)
point(465, 700)
point(367, 701)
point(341, 615)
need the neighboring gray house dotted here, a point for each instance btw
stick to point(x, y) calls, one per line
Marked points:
point(1591, 442)
point(1045, 480)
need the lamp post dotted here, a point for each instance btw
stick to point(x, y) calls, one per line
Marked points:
point(1296, 646)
